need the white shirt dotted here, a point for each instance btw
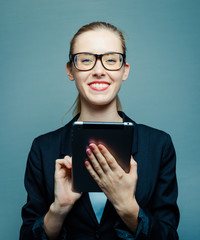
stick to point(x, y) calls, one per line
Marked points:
point(98, 201)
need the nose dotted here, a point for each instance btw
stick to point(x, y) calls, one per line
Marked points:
point(98, 69)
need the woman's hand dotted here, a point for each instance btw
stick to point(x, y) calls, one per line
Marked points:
point(64, 196)
point(118, 185)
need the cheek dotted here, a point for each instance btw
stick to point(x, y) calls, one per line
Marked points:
point(78, 85)
point(80, 79)
point(116, 77)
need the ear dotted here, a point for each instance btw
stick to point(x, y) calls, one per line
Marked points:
point(126, 72)
point(69, 71)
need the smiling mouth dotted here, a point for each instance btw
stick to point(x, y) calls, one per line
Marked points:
point(99, 86)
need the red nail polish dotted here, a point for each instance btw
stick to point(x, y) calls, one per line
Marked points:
point(87, 163)
point(88, 151)
point(100, 147)
point(92, 147)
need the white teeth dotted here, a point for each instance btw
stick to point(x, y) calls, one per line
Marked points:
point(99, 85)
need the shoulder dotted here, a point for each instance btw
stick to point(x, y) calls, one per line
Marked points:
point(55, 137)
point(149, 137)
point(144, 131)
point(155, 140)
point(151, 132)
point(55, 134)
point(46, 140)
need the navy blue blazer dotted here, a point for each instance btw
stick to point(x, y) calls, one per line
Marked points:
point(156, 191)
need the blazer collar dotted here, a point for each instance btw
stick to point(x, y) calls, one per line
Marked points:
point(66, 143)
point(135, 132)
point(66, 138)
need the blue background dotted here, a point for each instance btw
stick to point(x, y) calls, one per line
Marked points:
point(162, 90)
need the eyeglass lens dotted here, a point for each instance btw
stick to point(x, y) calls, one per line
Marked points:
point(86, 61)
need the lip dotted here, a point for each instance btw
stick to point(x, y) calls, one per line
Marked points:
point(99, 85)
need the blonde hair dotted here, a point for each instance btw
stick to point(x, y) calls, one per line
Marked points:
point(91, 27)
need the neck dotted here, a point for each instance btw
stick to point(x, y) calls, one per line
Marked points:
point(107, 113)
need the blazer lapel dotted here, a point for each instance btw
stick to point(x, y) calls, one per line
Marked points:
point(66, 138)
point(107, 211)
point(135, 133)
point(87, 204)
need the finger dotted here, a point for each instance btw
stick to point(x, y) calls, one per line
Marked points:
point(63, 169)
point(58, 164)
point(92, 171)
point(133, 167)
point(68, 161)
point(101, 159)
point(64, 163)
point(109, 158)
point(95, 163)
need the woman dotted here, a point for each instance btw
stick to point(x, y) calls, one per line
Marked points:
point(140, 204)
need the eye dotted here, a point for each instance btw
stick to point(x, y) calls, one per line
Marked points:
point(86, 60)
point(111, 60)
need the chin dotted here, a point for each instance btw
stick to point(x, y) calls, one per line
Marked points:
point(102, 103)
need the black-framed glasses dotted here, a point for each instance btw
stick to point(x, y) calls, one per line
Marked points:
point(85, 61)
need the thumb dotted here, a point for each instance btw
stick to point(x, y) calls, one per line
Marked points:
point(68, 161)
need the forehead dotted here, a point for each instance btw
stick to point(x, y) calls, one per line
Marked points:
point(98, 41)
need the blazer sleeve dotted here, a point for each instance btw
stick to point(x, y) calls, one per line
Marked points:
point(37, 205)
point(159, 221)
point(163, 213)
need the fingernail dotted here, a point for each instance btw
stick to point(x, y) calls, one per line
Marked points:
point(91, 147)
point(69, 165)
point(100, 147)
point(88, 151)
point(87, 163)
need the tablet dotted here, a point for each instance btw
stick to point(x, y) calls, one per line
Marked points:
point(116, 137)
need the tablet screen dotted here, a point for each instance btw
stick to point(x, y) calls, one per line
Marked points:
point(116, 137)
